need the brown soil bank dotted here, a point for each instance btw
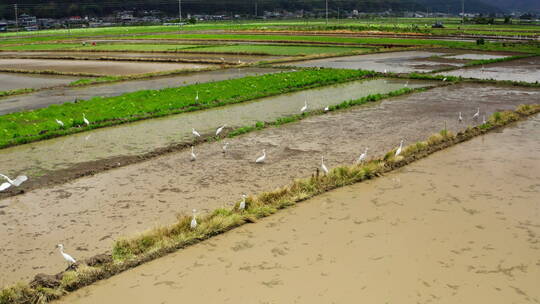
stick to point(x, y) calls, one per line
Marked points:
point(93, 67)
point(87, 214)
point(458, 227)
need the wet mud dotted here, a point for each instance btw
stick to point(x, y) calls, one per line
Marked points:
point(87, 214)
point(461, 226)
point(395, 62)
point(70, 94)
point(94, 67)
point(525, 69)
point(14, 81)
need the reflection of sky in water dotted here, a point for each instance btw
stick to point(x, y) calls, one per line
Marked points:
point(148, 135)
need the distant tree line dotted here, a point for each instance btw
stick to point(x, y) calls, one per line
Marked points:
point(98, 8)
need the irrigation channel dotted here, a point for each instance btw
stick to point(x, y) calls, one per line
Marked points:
point(460, 226)
point(401, 62)
point(89, 213)
point(525, 69)
point(62, 95)
point(148, 135)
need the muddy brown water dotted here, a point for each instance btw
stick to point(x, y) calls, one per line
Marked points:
point(525, 69)
point(130, 55)
point(396, 62)
point(97, 67)
point(149, 135)
point(87, 214)
point(14, 81)
point(461, 226)
point(69, 94)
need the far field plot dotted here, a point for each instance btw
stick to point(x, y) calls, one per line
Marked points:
point(94, 67)
point(14, 81)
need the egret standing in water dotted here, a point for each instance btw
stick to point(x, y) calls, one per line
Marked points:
point(327, 108)
point(407, 84)
point(323, 166)
point(304, 108)
point(444, 79)
point(220, 129)
point(476, 115)
point(261, 158)
point(224, 148)
point(15, 182)
point(242, 205)
point(193, 155)
point(398, 151)
point(66, 256)
point(460, 118)
point(362, 157)
point(193, 223)
point(484, 119)
point(86, 121)
point(195, 133)
point(61, 123)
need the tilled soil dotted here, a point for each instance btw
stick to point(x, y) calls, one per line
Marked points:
point(460, 226)
point(87, 214)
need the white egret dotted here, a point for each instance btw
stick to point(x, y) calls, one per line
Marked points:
point(327, 108)
point(195, 133)
point(193, 155)
point(86, 121)
point(242, 205)
point(398, 151)
point(66, 256)
point(385, 71)
point(220, 129)
point(484, 119)
point(304, 108)
point(323, 166)
point(261, 158)
point(477, 114)
point(362, 156)
point(444, 79)
point(60, 122)
point(224, 148)
point(197, 96)
point(193, 224)
point(15, 182)
point(460, 118)
point(407, 84)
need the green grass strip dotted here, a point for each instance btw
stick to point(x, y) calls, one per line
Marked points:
point(15, 92)
point(131, 252)
point(24, 127)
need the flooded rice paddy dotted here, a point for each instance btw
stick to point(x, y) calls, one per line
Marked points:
point(230, 58)
point(95, 67)
point(87, 214)
point(69, 94)
point(148, 135)
point(14, 81)
point(461, 226)
point(525, 69)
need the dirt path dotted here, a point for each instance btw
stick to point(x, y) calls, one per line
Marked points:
point(89, 213)
point(61, 95)
point(461, 226)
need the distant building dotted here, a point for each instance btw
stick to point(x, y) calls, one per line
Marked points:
point(3, 26)
point(29, 23)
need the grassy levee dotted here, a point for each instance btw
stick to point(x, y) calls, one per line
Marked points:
point(15, 92)
point(29, 126)
point(484, 62)
point(131, 252)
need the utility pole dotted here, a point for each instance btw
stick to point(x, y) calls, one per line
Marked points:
point(180, 13)
point(16, 17)
point(326, 12)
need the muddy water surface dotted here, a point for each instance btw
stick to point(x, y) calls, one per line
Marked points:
point(63, 95)
point(87, 214)
point(526, 69)
point(14, 81)
point(149, 135)
point(117, 68)
point(462, 226)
